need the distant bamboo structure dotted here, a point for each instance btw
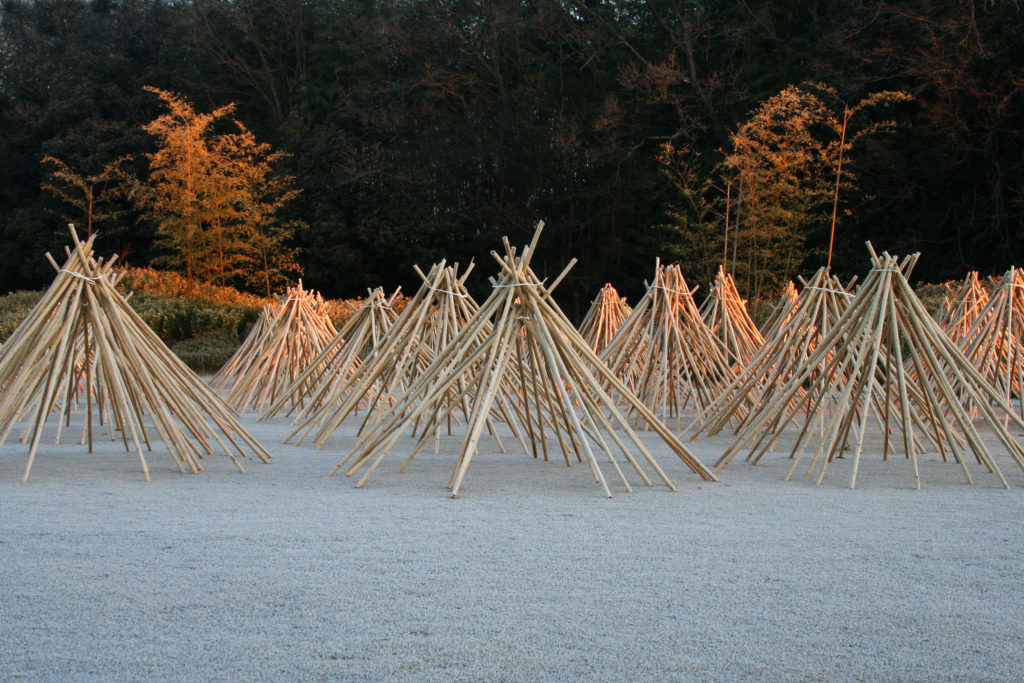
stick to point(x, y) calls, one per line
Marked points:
point(665, 353)
point(725, 314)
point(962, 308)
point(438, 310)
point(340, 357)
point(993, 342)
point(288, 336)
point(781, 312)
point(607, 313)
point(818, 307)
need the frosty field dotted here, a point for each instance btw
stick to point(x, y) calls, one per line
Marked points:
point(286, 573)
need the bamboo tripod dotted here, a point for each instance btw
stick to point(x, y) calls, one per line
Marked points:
point(818, 307)
point(888, 359)
point(604, 318)
point(561, 399)
point(993, 342)
point(285, 341)
point(433, 317)
point(83, 344)
point(664, 352)
point(340, 357)
point(725, 314)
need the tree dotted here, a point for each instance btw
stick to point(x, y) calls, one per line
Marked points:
point(87, 193)
point(699, 217)
point(783, 169)
point(272, 261)
point(788, 158)
point(215, 197)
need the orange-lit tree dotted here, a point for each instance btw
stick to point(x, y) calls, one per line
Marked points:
point(214, 198)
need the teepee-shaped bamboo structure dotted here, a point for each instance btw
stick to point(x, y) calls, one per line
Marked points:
point(606, 315)
point(432, 318)
point(560, 391)
point(885, 361)
point(961, 308)
point(725, 314)
point(818, 307)
point(83, 346)
point(288, 337)
point(781, 312)
point(664, 352)
point(340, 356)
point(994, 341)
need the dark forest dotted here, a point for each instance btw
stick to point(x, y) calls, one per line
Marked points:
point(428, 129)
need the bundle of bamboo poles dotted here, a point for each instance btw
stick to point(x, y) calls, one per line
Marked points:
point(83, 347)
point(560, 394)
point(607, 313)
point(285, 341)
point(664, 352)
point(339, 357)
point(962, 308)
point(433, 317)
point(725, 314)
point(993, 342)
point(887, 362)
point(782, 311)
point(818, 307)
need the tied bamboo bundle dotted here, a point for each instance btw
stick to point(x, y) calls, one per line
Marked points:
point(285, 341)
point(885, 360)
point(607, 313)
point(818, 307)
point(340, 357)
point(725, 314)
point(993, 343)
point(83, 344)
point(433, 317)
point(560, 393)
point(962, 308)
point(782, 311)
point(664, 352)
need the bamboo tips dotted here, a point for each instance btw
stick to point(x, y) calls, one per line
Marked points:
point(83, 347)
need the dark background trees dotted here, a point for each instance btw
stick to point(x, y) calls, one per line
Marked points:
point(428, 129)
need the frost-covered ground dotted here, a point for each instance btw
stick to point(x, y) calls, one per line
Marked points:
point(286, 573)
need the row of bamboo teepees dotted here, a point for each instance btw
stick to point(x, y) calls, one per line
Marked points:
point(835, 366)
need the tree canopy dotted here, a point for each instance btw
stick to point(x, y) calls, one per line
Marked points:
point(428, 129)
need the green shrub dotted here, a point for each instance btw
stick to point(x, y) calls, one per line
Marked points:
point(13, 309)
point(206, 353)
point(178, 319)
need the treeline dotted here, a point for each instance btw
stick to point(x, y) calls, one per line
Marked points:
point(428, 129)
